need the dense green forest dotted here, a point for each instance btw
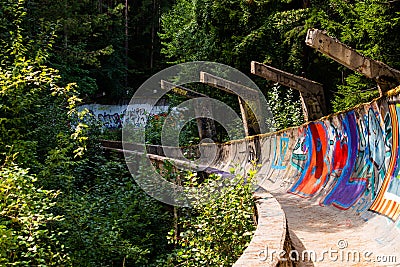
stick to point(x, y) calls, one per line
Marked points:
point(63, 201)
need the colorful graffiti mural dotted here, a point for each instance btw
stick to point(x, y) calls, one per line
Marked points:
point(348, 160)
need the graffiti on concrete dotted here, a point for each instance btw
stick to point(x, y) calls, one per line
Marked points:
point(347, 189)
point(116, 116)
point(349, 160)
point(137, 116)
point(279, 153)
point(316, 168)
point(110, 121)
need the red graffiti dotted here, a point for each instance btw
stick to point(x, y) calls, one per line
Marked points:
point(316, 171)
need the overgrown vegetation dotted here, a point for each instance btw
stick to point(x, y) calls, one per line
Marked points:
point(29, 236)
point(217, 229)
point(111, 221)
point(273, 32)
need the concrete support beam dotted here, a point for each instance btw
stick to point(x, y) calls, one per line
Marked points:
point(180, 90)
point(228, 86)
point(312, 93)
point(245, 115)
point(205, 126)
point(385, 76)
point(246, 96)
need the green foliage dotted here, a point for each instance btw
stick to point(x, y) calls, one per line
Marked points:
point(187, 136)
point(29, 236)
point(111, 134)
point(153, 129)
point(144, 43)
point(371, 27)
point(273, 32)
point(356, 90)
point(32, 103)
point(235, 33)
point(111, 221)
point(89, 44)
point(285, 107)
point(217, 229)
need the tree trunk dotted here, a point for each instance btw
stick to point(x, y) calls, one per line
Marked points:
point(126, 44)
point(153, 33)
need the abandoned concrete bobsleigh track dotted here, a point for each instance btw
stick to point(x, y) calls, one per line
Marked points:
point(337, 181)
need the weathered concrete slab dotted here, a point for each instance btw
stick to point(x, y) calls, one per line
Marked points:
point(180, 90)
point(386, 77)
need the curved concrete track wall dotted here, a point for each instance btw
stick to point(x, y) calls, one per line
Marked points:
point(337, 179)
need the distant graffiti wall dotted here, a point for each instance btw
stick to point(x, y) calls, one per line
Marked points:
point(348, 160)
point(115, 116)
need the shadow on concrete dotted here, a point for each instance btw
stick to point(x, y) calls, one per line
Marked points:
point(308, 216)
point(299, 247)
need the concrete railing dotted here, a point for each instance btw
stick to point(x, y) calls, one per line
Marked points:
point(271, 236)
